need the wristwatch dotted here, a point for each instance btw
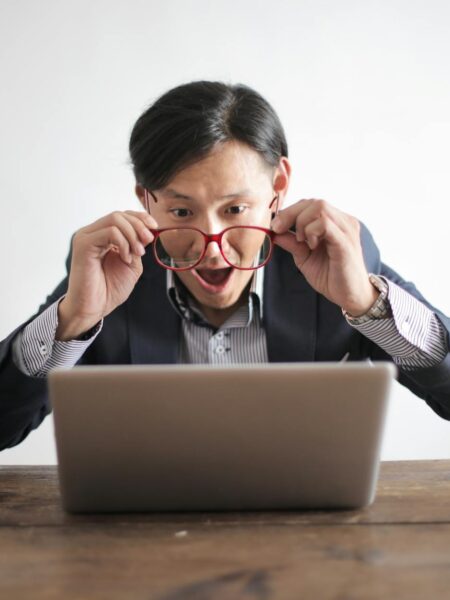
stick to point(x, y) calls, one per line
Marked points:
point(380, 309)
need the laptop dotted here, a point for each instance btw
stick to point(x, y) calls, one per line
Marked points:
point(203, 438)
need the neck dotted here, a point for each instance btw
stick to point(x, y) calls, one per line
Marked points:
point(217, 316)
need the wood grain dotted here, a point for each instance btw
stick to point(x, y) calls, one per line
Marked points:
point(398, 547)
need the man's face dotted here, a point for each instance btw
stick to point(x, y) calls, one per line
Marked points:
point(231, 186)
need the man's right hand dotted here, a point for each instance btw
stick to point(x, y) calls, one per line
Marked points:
point(106, 265)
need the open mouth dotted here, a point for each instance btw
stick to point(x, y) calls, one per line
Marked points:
point(214, 276)
point(213, 280)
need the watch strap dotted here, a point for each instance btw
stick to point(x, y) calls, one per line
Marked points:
point(380, 309)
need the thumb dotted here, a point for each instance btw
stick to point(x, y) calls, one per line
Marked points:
point(299, 250)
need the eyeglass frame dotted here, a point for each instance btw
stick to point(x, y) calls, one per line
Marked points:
point(211, 237)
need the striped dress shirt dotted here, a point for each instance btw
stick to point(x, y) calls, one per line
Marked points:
point(412, 336)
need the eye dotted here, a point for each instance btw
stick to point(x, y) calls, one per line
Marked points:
point(181, 212)
point(237, 210)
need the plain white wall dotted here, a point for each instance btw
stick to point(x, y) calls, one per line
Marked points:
point(361, 87)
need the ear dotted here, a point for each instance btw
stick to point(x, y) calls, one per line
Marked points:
point(281, 178)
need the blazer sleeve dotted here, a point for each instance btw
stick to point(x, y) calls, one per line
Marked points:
point(23, 399)
point(432, 384)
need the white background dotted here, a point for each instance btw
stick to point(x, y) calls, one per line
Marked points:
point(362, 88)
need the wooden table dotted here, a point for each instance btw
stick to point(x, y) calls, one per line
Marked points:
point(397, 548)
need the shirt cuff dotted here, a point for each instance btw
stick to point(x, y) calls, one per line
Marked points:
point(36, 351)
point(413, 336)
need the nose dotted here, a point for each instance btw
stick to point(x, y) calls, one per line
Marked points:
point(212, 252)
point(209, 224)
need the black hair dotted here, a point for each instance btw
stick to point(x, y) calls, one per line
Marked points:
point(184, 124)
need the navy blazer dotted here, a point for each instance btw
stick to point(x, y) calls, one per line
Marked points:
point(301, 325)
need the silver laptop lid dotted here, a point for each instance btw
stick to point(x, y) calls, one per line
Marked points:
point(193, 437)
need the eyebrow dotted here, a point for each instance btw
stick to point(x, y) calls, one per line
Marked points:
point(175, 194)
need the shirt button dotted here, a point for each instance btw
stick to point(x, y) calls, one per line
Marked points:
point(43, 349)
point(220, 350)
point(219, 336)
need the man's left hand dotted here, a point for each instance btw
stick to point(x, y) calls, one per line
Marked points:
point(326, 248)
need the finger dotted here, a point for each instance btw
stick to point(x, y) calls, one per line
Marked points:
point(320, 209)
point(310, 213)
point(299, 250)
point(122, 222)
point(149, 220)
point(286, 218)
point(324, 229)
point(145, 234)
point(110, 238)
point(305, 211)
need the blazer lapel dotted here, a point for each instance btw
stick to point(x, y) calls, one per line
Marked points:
point(290, 310)
point(153, 324)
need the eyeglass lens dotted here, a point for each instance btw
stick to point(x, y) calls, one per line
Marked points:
point(243, 247)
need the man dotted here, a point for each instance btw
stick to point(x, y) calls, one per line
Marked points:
point(215, 270)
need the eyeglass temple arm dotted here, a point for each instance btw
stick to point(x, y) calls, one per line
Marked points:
point(271, 204)
point(147, 200)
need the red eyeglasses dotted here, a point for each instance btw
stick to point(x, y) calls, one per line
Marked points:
point(243, 247)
